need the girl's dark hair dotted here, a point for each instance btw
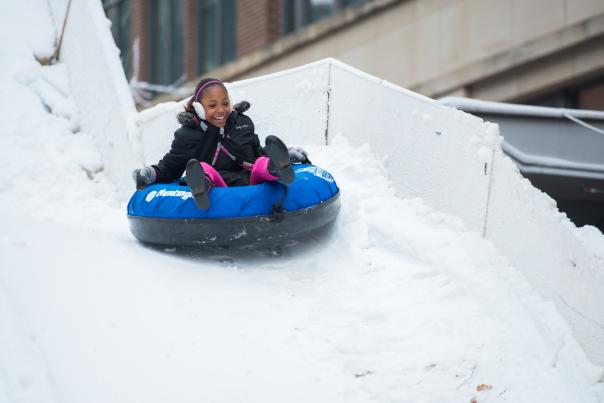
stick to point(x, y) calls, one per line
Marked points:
point(200, 89)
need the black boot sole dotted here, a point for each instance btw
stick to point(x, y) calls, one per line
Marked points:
point(196, 180)
point(280, 165)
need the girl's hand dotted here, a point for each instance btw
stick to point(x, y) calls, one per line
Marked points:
point(143, 177)
point(242, 106)
point(297, 155)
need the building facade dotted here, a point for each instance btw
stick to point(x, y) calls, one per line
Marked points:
point(544, 52)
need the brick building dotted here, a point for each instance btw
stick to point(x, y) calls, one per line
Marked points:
point(547, 52)
point(179, 39)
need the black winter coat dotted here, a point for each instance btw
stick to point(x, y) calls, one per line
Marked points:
point(191, 141)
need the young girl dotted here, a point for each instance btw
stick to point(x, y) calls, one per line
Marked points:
point(217, 146)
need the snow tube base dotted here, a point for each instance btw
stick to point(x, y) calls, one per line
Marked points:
point(239, 231)
point(165, 213)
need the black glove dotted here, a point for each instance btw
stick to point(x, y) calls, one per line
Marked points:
point(242, 106)
point(297, 155)
point(143, 177)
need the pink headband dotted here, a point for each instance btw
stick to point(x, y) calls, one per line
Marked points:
point(205, 85)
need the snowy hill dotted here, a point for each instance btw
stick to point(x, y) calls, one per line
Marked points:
point(399, 301)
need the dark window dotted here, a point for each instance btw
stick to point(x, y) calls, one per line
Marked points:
point(560, 99)
point(299, 13)
point(165, 62)
point(592, 96)
point(118, 11)
point(215, 33)
point(347, 3)
point(589, 95)
point(318, 9)
point(289, 16)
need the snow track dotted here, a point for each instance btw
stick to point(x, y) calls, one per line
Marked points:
point(395, 303)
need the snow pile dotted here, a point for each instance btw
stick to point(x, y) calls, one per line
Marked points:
point(50, 167)
point(396, 302)
point(98, 84)
point(438, 296)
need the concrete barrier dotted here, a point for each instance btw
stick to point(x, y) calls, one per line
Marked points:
point(432, 152)
point(563, 262)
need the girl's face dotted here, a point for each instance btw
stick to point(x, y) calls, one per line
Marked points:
point(216, 104)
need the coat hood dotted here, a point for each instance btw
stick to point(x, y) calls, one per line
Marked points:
point(186, 119)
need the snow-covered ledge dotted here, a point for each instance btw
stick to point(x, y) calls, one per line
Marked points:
point(98, 85)
point(450, 159)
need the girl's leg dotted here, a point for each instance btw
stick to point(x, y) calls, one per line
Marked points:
point(213, 176)
point(198, 183)
point(260, 172)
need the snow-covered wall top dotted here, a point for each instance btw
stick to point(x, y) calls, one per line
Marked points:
point(449, 158)
point(98, 85)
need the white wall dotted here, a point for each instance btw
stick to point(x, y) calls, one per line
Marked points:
point(157, 127)
point(431, 152)
point(291, 104)
point(451, 159)
point(563, 262)
point(99, 86)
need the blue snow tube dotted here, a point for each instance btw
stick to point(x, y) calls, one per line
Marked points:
point(165, 213)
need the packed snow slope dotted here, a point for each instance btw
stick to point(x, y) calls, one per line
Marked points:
point(395, 302)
